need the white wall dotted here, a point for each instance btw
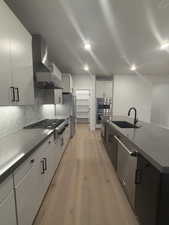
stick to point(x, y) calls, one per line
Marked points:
point(87, 82)
point(93, 103)
point(132, 90)
point(81, 81)
point(15, 118)
point(103, 89)
point(160, 101)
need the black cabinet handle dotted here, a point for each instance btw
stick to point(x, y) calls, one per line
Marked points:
point(18, 98)
point(62, 141)
point(13, 93)
point(138, 176)
point(45, 163)
point(43, 166)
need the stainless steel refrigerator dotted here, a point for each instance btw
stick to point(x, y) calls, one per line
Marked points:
point(70, 101)
point(103, 108)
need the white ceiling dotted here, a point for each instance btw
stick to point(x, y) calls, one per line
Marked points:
point(122, 32)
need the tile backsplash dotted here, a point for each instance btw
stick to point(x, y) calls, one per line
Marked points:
point(14, 118)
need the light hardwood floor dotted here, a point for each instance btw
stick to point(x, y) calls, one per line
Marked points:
point(85, 189)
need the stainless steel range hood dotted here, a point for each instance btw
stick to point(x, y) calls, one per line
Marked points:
point(51, 79)
point(46, 73)
point(41, 61)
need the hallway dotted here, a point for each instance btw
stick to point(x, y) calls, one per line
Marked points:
point(85, 189)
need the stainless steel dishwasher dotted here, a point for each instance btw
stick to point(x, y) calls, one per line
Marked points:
point(126, 169)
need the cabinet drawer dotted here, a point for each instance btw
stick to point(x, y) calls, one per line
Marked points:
point(24, 168)
point(5, 188)
point(29, 195)
point(67, 132)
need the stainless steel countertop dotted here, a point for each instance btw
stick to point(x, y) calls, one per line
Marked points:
point(151, 141)
point(17, 147)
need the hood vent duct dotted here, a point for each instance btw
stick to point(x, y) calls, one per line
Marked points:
point(47, 75)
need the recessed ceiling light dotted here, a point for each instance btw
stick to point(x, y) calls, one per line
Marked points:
point(133, 67)
point(87, 46)
point(86, 68)
point(164, 45)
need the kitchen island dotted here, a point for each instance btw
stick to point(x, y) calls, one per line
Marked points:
point(141, 158)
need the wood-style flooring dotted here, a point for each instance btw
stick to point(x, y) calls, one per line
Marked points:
point(85, 189)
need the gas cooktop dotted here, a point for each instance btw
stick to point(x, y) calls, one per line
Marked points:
point(46, 124)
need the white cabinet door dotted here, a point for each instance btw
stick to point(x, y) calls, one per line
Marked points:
point(58, 96)
point(50, 155)
point(32, 180)
point(46, 157)
point(67, 83)
point(55, 155)
point(5, 61)
point(59, 147)
point(58, 153)
point(7, 210)
point(22, 65)
point(28, 197)
point(16, 66)
point(50, 167)
point(66, 136)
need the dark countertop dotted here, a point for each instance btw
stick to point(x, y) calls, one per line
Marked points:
point(151, 141)
point(16, 148)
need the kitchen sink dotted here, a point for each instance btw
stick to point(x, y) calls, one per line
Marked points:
point(124, 124)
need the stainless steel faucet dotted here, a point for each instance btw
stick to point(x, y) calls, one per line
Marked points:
point(135, 115)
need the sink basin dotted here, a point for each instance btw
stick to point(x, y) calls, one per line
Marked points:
point(124, 124)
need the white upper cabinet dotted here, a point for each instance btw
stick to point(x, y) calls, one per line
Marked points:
point(67, 83)
point(16, 66)
point(58, 98)
point(22, 65)
point(5, 61)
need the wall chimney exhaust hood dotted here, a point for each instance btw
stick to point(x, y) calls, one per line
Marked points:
point(41, 61)
point(49, 80)
point(47, 75)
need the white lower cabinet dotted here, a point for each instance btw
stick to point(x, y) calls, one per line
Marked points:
point(32, 180)
point(53, 157)
point(28, 197)
point(66, 136)
point(7, 203)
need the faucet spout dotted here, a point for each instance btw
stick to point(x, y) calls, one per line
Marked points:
point(135, 114)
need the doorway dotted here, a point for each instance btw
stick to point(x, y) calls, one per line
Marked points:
point(83, 105)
